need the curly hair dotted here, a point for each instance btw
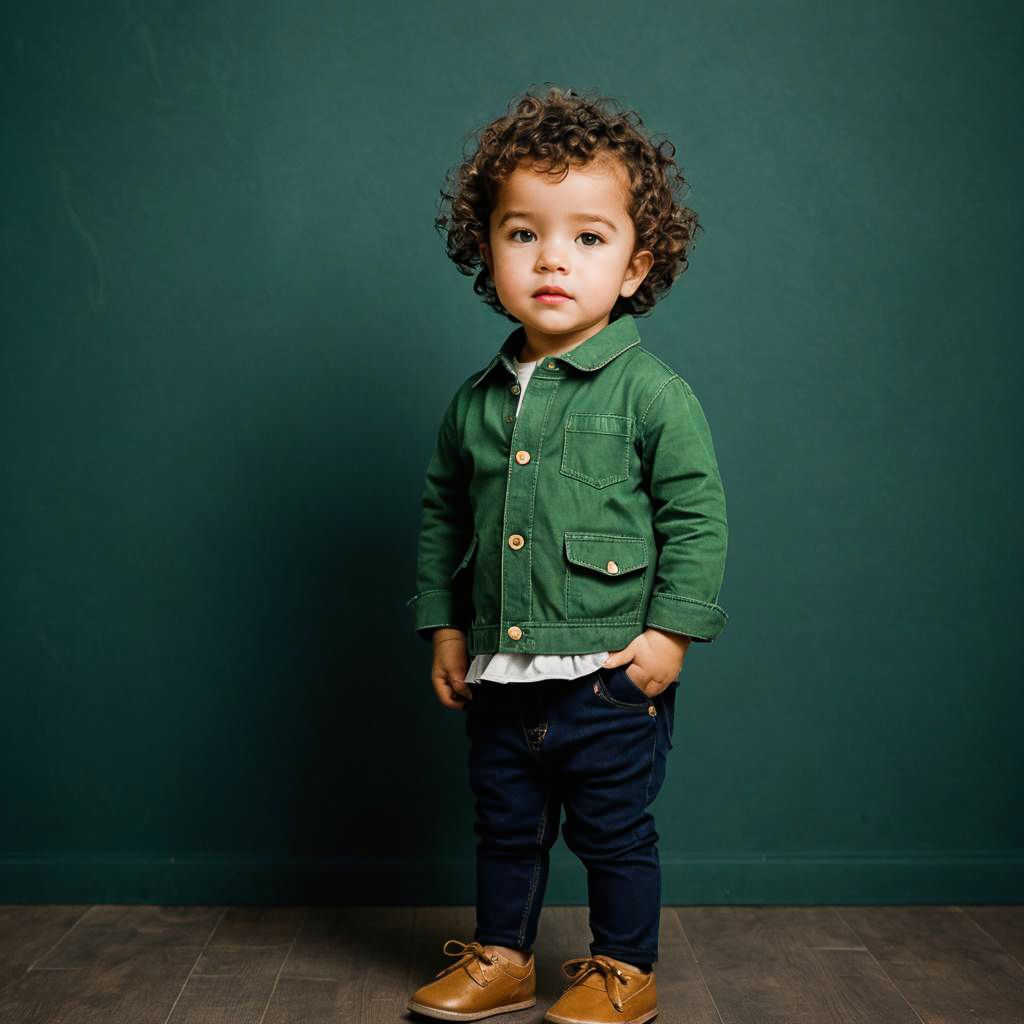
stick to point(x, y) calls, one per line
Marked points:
point(554, 132)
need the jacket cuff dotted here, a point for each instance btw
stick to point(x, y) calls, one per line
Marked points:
point(700, 619)
point(433, 609)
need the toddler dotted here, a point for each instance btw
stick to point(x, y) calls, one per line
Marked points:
point(572, 544)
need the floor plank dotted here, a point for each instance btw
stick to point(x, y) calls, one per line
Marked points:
point(950, 970)
point(29, 931)
point(112, 964)
point(1004, 924)
point(106, 931)
point(129, 985)
point(259, 926)
point(230, 983)
point(365, 951)
point(789, 965)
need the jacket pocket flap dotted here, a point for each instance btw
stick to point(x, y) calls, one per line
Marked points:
point(607, 553)
point(466, 557)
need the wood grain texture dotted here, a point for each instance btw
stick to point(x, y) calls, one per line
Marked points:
point(948, 967)
point(321, 965)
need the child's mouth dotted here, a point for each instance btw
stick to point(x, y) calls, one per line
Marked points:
point(552, 298)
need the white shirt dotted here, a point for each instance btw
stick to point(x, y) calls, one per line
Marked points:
point(523, 668)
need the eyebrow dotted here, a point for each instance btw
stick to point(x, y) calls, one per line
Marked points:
point(509, 214)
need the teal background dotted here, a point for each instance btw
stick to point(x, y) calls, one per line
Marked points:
point(229, 331)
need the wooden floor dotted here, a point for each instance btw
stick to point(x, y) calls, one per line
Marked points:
point(306, 965)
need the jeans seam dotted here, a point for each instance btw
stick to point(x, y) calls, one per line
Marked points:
point(536, 872)
point(654, 761)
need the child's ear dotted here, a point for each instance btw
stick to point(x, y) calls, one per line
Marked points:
point(639, 267)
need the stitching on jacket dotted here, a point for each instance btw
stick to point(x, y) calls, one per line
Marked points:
point(514, 402)
point(470, 551)
point(567, 357)
point(689, 395)
point(675, 629)
point(580, 416)
point(661, 362)
point(628, 442)
point(572, 624)
point(626, 616)
point(533, 486)
point(632, 538)
point(688, 600)
point(436, 590)
point(661, 387)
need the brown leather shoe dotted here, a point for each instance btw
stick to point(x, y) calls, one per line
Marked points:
point(603, 991)
point(479, 984)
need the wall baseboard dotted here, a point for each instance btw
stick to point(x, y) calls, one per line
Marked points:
point(793, 878)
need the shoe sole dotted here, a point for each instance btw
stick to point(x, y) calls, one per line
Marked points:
point(571, 1020)
point(432, 1011)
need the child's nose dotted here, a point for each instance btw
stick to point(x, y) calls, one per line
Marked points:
point(552, 257)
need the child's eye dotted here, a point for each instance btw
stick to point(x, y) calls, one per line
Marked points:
point(597, 239)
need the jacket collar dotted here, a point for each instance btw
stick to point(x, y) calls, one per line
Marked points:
point(598, 350)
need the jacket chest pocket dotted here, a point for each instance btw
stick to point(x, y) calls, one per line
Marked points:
point(596, 447)
point(603, 578)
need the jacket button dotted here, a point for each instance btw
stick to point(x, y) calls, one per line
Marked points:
point(613, 567)
point(652, 711)
point(522, 458)
point(514, 389)
point(551, 365)
point(514, 632)
point(516, 541)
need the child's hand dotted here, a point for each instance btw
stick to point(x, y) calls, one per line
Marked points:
point(656, 658)
point(449, 670)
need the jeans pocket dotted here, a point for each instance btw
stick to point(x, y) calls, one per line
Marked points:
point(667, 700)
point(615, 687)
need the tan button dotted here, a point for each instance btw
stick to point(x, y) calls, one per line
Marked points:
point(613, 567)
point(551, 365)
point(652, 711)
point(509, 419)
point(522, 457)
point(514, 632)
point(516, 541)
point(514, 389)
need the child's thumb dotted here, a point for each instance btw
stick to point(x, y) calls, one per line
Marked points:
point(616, 658)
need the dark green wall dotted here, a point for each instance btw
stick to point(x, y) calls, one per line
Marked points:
point(229, 331)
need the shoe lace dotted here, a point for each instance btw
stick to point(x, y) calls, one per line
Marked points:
point(582, 967)
point(470, 951)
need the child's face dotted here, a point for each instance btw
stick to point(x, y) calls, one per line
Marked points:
point(547, 232)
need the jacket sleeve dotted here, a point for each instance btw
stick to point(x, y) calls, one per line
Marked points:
point(688, 503)
point(446, 531)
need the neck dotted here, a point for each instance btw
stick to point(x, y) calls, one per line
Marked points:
point(540, 343)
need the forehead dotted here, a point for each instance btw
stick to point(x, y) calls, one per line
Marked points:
point(599, 186)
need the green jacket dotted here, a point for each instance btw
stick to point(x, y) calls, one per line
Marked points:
point(596, 512)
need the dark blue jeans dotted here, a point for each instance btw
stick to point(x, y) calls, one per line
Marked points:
point(597, 746)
